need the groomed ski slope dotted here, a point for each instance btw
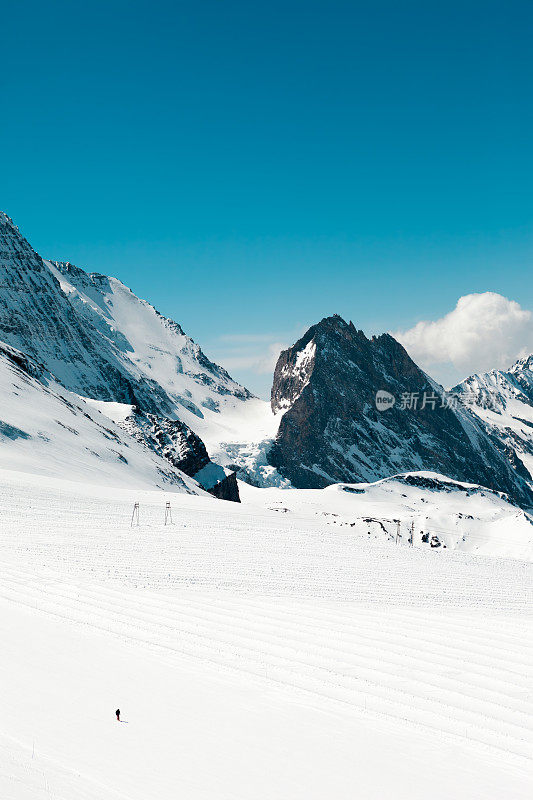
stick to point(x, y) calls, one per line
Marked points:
point(253, 653)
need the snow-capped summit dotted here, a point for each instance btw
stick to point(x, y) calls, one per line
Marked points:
point(503, 401)
point(522, 370)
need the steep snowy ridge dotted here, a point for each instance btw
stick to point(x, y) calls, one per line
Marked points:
point(98, 338)
point(236, 427)
point(83, 327)
point(37, 318)
point(148, 344)
point(332, 431)
point(102, 342)
point(503, 402)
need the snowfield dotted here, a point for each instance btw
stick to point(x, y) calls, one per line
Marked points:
point(268, 651)
point(46, 429)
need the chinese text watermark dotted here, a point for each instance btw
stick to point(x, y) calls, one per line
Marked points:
point(429, 399)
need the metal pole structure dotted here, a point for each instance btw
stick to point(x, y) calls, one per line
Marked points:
point(135, 516)
point(168, 513)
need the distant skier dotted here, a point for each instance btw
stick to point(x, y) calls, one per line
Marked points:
point(117, 712)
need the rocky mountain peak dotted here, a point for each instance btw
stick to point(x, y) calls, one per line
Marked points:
point(332, 430)
point(6, 220)
point(16, 255)
point(336, 347)
point(523, 365)
point(292, 372)
point(336, 326)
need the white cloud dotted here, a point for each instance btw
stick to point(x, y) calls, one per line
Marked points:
point(484, 331)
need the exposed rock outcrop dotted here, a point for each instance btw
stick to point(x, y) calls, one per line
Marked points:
point(181, 447)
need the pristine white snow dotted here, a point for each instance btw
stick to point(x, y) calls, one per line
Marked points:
point(47, 430)
point(255, 652)
point(461, 516)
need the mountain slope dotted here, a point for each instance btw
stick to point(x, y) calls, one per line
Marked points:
point(151, 347)
point(438, 513)
point(102, 342)
point(331, 430)
point(47, 430)
point(98, 339)
point(36, 319)
point(236, 427)
point(503, 401)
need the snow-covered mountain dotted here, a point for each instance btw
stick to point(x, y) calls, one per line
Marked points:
point(236, 427)
point(101, 341)
point(332, 431)
point(153, 382)
point(47, 430)
point(503, 401)
point(150, 348)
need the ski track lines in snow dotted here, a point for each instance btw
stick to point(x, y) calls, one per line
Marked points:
point(424, 668)
point(434, 643)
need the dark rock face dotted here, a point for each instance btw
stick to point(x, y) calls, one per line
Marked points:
point(181, 447)
point(332, 430)
point(171, 439)
point(227, 488)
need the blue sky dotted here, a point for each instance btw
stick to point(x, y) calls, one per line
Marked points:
point(252, 167)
